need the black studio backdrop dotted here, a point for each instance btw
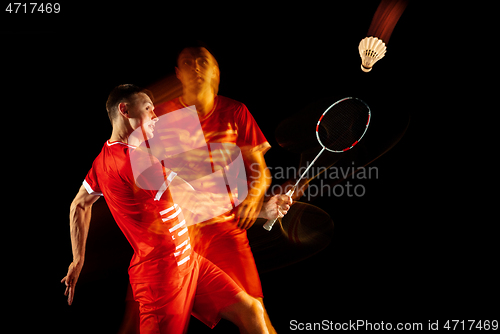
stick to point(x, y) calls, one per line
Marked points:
point(404, 251)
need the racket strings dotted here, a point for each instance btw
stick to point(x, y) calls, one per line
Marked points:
point(343, 125)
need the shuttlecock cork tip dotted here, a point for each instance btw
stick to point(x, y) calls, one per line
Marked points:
point(365, 69)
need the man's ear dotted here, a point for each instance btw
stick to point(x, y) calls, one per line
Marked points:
point(123, 109)
point(177, 73)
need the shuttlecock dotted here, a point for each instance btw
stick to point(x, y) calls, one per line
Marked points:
point(371, 50)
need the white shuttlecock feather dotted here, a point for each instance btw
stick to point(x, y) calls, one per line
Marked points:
point(371, 50)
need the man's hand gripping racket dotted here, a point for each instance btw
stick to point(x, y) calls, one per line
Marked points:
point(338, 130)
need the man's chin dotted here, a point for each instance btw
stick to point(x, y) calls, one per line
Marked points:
point(149, 134)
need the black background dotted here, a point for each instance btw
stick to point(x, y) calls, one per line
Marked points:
point(418, 246)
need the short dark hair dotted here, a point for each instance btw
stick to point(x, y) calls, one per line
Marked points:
point(194, 43)
point(120, 94)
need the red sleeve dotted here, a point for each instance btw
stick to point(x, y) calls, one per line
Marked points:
point(250, 137)
point(91, 184)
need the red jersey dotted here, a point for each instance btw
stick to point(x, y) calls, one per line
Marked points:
point(224, 244)
point(151, 222)
point(229, 121)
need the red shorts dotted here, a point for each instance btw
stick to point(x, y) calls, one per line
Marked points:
point(204, 292)
point(226, 246)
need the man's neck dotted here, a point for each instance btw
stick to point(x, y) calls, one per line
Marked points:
point(202, 100)
point(124, 136)
point(117, 136)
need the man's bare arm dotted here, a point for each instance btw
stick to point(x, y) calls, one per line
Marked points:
point(260, 179)
point(79, 221)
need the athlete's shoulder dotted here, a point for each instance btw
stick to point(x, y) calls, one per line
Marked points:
point(102, 152)
point(228, 102)
point(228, 105)
point(116, 155)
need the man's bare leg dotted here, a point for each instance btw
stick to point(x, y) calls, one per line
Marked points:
point(269, 326)
point(247, 314)
point(130, 323)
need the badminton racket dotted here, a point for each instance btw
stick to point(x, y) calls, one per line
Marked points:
point(339, 129)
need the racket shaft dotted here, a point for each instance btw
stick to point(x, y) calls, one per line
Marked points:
point(269, 224)
point(307, 169)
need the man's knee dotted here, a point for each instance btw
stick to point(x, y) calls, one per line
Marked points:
point(256, 307)
point(246, 308)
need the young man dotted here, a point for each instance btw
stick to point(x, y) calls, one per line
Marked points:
point(224, 120)
point(169, 280)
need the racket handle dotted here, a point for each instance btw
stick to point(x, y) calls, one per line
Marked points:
point(269, 224)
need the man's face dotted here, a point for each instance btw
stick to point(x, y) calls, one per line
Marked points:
point(196, 67)
point(141, 114)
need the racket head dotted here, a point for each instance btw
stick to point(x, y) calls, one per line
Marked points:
point(343, 124)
